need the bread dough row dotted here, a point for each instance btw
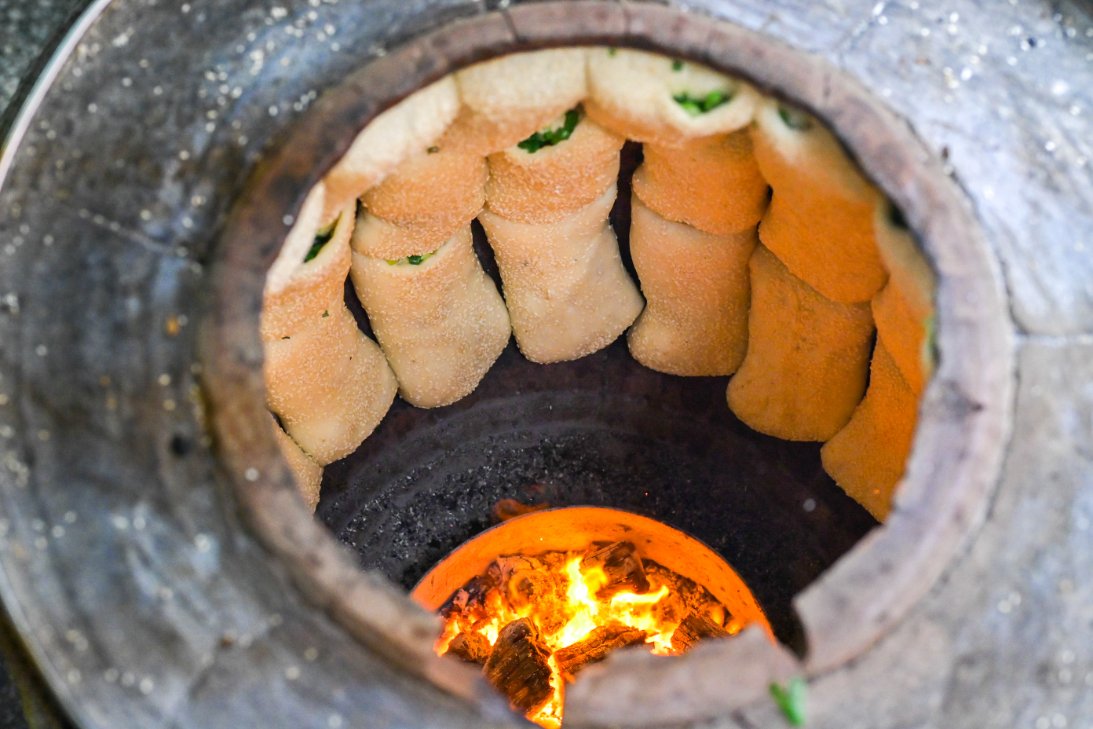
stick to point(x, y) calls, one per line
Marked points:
point(758, 245)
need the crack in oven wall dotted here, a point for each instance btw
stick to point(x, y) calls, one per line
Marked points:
point(602, 430)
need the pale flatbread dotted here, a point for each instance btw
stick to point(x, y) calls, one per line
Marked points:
point(441, 323)
point(410, 126)
point(567, 291)
point(696, 287)
point(634, 94)
point(507, 99)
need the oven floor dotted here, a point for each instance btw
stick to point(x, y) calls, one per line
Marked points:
point(600, 431)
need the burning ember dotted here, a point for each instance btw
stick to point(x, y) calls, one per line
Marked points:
point(533, 622)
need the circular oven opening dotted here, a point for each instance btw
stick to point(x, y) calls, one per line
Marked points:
point(603, 431)
point(546, 594)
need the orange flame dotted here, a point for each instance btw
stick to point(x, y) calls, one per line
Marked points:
point(568, 616)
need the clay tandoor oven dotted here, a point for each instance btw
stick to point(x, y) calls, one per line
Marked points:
point(600, 431)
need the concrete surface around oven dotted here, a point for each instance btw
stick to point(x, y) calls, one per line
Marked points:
point(1002, 90)
point(26, 28)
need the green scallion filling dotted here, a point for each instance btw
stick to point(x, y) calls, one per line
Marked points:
point(550, 137)
point(794, 119)
point(698, 105)
point(414, 260)
point(677, 65)
point(791, 699)
point(929, 340)
point(321, 239)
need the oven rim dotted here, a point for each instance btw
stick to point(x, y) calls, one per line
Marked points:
point(945, 493)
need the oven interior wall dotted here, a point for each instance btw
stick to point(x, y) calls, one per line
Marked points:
point(600, 431)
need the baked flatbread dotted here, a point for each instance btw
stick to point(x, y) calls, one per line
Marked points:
point(407, 128)
point(567, 291)
point(696, 287)
point(807, 359)
point(654, 99)
point(440, 321)
point(820, 219)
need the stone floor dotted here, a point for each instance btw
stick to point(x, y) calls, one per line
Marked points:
point(1006, 640)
